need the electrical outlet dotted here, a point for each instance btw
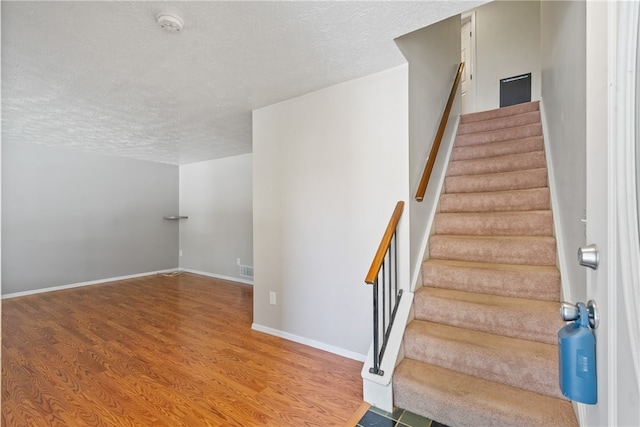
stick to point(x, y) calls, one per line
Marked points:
point(180, 252)
point(272, 298)
point(238, 261)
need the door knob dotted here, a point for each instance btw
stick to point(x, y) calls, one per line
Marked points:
point(570, 312)
point(589, 256)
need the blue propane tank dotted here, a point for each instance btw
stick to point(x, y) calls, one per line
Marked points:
point(577, 359)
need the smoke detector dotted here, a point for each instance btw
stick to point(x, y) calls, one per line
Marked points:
point(170, 23)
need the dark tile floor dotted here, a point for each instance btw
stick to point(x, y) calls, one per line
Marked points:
point(399, 418)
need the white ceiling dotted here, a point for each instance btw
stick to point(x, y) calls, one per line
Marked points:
point(104, 77)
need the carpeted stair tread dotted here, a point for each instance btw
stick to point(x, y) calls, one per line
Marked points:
point(515, 120)
point(523, 223)
point(519, 363)
point(522, 318)
point(460, 400)
point(482, 346)
point(532, 250)
point(507, 134)
point(500, 112)
point(510, 280)
point(502, 181)
point(495, 149)
point(508, 163)
point(508, 200)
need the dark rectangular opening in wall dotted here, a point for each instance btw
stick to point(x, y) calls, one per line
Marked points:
point(515, 90)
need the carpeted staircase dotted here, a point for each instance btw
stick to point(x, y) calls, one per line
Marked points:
point(482, 348)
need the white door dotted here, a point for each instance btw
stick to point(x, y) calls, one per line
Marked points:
point(612, 142)
point(467, 55)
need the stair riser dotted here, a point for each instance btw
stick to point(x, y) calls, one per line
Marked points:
point(533, 223)
point(534, 371)
point(499, 135)
point(495, 149)
point(505, 181)
point(532, 251)
point(543, 285)
point(507, 201)
point(517, 162)
point(501, 112)
point(539, 325)
point(499, 123)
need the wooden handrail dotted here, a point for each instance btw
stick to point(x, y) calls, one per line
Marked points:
point(384, 244)
point(426, 174)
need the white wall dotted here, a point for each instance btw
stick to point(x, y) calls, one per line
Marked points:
point(563, 55)
point(508, 44)
point(216, 195)
point(70, 217)
point(434, 56)
point(328, 169)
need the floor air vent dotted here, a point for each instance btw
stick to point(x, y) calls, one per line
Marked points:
point(246, 271)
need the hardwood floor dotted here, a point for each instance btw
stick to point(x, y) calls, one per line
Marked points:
point(163, 351)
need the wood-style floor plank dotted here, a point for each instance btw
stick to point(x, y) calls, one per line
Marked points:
point(163, 351)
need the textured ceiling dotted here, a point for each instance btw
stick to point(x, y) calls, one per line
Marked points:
point(104, 77)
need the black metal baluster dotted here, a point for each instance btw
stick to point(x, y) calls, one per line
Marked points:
point(395, 270)
point(384, 313)
point(376, 361)
point(390, 287)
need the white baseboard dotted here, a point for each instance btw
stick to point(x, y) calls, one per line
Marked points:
point(309, 342)
point(89, 283)
point(219, 276)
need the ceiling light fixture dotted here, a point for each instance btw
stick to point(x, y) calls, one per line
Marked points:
point(170, 23)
